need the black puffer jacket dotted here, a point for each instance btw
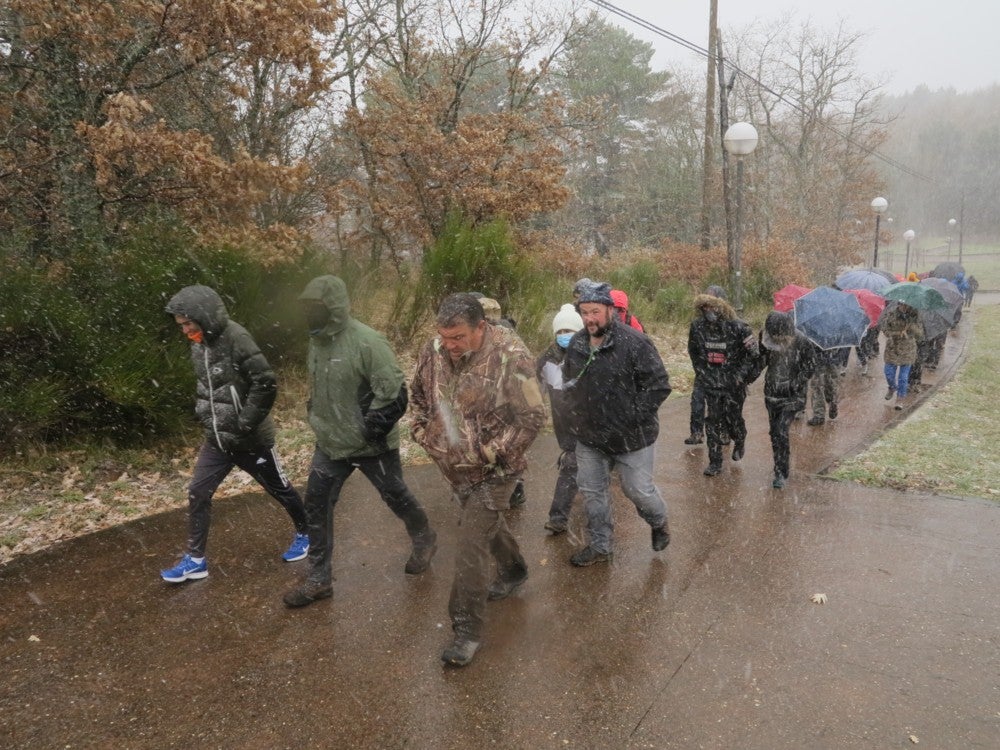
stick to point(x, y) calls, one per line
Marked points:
point(236, 385)
point(720, 359)
point(614, 392)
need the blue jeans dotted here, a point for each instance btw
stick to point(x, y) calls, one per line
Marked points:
point(898, 377)
point(594, 478)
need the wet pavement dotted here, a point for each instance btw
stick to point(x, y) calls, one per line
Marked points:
point(713, 643)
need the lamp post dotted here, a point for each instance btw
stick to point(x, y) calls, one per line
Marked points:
point(739, 140)
point(908, 235)
point(879, 205)
point(951, 228)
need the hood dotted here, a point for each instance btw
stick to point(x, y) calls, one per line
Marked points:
point(619, 298)
point(204, 306)
point(722, 308)
point(779, 331)
point(332, 292)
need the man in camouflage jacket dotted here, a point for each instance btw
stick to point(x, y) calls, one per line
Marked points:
point(476, 409)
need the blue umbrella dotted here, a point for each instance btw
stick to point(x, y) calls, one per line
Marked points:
point(863, 278)
point(830, 318)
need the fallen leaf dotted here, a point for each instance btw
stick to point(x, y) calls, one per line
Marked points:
point(34, 638)
point(914, 739)
point(818, 598)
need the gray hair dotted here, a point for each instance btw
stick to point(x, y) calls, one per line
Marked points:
point(459, 308)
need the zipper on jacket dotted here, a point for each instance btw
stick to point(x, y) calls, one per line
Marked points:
point(211, 400)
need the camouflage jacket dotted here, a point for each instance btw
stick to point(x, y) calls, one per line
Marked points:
point(477, 417)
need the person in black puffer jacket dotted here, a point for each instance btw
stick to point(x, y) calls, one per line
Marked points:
point(790, 359)
point(236, 390)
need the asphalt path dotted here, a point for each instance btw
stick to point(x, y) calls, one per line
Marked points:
point(713, 643)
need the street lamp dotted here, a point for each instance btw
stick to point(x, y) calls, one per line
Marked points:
point(879, 205)
point(951, 228)
point(739, 140)
point(909, 236)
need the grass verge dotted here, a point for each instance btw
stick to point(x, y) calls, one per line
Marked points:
point(945, 447)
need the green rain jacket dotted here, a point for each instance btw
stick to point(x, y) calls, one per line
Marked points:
point(357, 391)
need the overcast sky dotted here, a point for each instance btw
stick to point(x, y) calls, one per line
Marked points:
point(940, 43)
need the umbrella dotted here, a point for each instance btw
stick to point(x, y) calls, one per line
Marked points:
point(951, 293)
point(784, 297)
point(948, 270)
point(863, 278)
point(937, 322)
point(915, 294)
point(871, 303)
point(830, 318)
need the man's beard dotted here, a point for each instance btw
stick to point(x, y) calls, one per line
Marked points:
point(598, 331)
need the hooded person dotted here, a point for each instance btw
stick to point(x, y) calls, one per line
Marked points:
point(723, 355)
point(790, 359)
point(903, 334)
point(548, 369)
point(236, 390)
point(697, 391)
point(357, 394)
point(620, 300)
point(615, 382)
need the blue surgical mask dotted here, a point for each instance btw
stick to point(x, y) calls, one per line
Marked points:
point(563, 339)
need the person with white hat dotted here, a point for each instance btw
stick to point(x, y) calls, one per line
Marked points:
point(549, 369)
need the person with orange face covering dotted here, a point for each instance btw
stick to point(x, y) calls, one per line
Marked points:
point(236, 390)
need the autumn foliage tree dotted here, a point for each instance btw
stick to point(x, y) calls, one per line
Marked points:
point(100, 102)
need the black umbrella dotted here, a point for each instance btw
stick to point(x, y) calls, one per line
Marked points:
point(948, 270)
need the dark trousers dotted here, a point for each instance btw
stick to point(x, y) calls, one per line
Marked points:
point(483, 539)
point(697, 408)
point(213, 466)
point(868, 349)
point(326, 479)
point(725, 418)
point(780, 415)
point(566, 488)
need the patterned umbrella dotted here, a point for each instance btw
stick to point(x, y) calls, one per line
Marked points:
point(864, 278)
point(830, 318)
point(786, 296)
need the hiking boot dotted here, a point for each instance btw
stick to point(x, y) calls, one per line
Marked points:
point(307, 593)
point(864, 369)
point(423, 551)
point(588, 556)
point(186, 570)
point(833, 412)
point(298, 549)
point(738, 450)
point(694, 440)
point(661, 537)
point(890, 393)
point(460, 652)
point(555, 527)
point(900, 402)
point(814, 421)
point(712, 470)
point(517, 497)
point(779, 482)
point(501, 589)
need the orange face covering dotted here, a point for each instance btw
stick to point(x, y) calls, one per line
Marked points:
point(196, 336)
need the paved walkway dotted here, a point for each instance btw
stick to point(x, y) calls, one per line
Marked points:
point(712, 644)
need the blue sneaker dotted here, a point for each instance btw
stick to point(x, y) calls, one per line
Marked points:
point(186, 569)
point(298, 550)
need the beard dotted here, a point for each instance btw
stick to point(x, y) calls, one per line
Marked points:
point(597, 331)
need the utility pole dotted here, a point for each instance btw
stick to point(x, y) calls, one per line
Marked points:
point(708, 161)
point(961, 225)
point(727, 202)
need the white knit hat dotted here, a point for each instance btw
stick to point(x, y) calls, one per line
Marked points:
point(567, 318)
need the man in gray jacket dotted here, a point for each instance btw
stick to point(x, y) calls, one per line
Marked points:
point(236, 390)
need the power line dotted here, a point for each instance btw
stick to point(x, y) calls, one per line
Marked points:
point(797, 106)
